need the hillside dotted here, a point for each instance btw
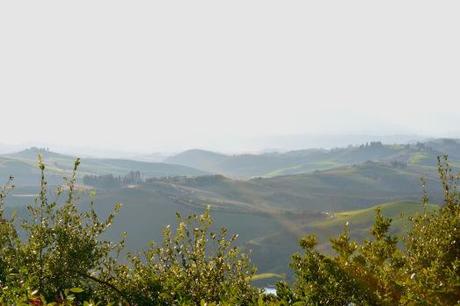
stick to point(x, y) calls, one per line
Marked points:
point(350, 187)
point(304, 161)
point(23, 166)
point(448, 146)
point(360, 220)
point(205, 159)
point(342, 188)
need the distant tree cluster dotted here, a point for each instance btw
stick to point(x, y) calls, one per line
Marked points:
point(192, 181)
point(424, 147)
point(110, 181)
point(372, 144)
point(37, 149)
point(398, 164)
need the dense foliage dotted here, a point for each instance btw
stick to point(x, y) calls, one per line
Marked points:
point(110, 181)
point(56, 248)
point(58, 254)
point(424, 270)
point(192, 265)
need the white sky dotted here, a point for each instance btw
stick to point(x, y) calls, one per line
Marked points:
point(146, 75)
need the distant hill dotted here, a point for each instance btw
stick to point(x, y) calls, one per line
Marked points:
point(23, 166)
point(304, 161)
point(342, 188)
point(447, 146)
point(205, 159)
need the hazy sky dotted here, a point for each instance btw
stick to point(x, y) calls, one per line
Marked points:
point(147, 75)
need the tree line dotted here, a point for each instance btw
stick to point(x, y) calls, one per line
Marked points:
point(111, 181)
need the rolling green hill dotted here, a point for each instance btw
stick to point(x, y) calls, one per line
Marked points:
point(352, 187)
point(23, 166)
point(305, 161)
point(343, 188)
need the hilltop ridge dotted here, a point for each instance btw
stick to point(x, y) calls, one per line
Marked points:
point(309, 160)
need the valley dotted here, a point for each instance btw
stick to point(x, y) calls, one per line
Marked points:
point(270, 200)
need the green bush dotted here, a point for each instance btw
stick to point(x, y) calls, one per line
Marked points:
point(191, 265)
point(61, 248)
point(425, 270)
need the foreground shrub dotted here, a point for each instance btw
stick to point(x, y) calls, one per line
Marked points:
point(192, 265)
point(59, 246)
point(424, 271)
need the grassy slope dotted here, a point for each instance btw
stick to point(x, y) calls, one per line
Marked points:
point(361, 220)
point(25, 172)
point(350, 187)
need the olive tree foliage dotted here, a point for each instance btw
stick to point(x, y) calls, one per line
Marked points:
point(192, 265)
point(425, 270)
point(59, 247)
point(433, 248)
point(8, 235)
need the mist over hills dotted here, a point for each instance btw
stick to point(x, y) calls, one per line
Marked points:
point(229, 145)
point(302, 161)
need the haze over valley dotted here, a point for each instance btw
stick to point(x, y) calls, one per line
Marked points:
point(229, 152)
